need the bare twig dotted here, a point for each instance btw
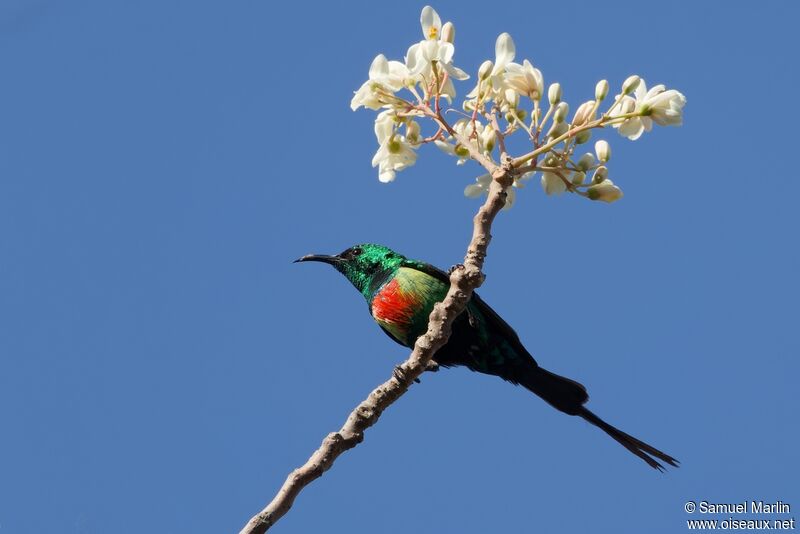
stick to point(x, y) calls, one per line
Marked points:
point(463, 281)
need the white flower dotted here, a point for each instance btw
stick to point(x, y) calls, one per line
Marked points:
point(431, 23)
point(479, 188)
point(495, 82)
point(421, 56)
point(485, 69)
point(632, 127)
point(482, 183)
point(605, 191)
point(385, 125)
point(504, 52)
point(664, 107)
point(659, 105)
point(525, 79)
point(433, 49)
point(394, 154)
point(481, 137)
point(385, 79)
point(553, 184)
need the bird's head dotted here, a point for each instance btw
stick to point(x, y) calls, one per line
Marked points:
point(361, 264)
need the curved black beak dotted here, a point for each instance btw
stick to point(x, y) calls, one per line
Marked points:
point(333, 260)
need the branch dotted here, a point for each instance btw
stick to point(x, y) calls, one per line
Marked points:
point(463, 281)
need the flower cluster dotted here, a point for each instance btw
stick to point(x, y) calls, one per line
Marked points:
point(508, 97)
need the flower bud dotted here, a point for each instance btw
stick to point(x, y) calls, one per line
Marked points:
point(461, 151)
point(585, 113)
point(448, 32)
point(562, 108)
point(485, 70)
point(578, 178)
point(601, 90)
point(605, 191)
point(551, 160)
point(603, 150)
point(554, 93)
point(586, 161)
point(518, 113)
point(600, 174)
point(583, 137)
point(412, 132)
point(630, 84)
point(557, 130)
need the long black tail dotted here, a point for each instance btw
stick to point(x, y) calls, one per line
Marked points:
point(569, 397)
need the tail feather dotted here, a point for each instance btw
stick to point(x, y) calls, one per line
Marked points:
point(639, 448)
point(569, 397)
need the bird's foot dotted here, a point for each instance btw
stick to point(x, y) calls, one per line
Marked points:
point(399, 374)
point(432, 367)
point(455, 268)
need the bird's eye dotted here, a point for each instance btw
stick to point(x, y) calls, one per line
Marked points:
point(355, 252)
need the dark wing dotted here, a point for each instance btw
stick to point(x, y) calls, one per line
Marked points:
point(497, 324)
point(496, 327)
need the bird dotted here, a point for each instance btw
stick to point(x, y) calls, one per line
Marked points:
point(401, 294)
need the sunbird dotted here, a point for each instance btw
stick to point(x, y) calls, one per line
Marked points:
point(401, 293)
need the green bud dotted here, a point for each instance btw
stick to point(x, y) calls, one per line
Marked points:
point(461, 151)
point(605, 191)
point(550, 160)
point(601, 90)
point(578, 178)
point(412, 131)
point(448, 32)
point(586, 161)
point(583, 137)
point(554, 93)
point(520, 114)
point(600, 174)
point(630, 84)
point(562, 108)
point(485, 70)
point(603, 150)
point(557, 130)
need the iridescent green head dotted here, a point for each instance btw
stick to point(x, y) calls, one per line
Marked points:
point(362, 264)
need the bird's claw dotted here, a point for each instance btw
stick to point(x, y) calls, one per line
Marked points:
point(432, 367)
point(455, 268)
point(399, 374)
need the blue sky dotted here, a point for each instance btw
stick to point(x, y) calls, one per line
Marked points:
point(164, 365)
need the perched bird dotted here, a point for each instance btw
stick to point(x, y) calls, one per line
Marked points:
point(401, 293)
